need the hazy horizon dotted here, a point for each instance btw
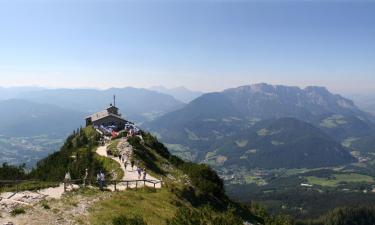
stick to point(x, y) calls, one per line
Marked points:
point(343, 93)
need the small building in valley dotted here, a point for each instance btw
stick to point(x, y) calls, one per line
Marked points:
point(107, 118)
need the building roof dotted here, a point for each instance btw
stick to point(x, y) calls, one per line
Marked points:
point(103, 114)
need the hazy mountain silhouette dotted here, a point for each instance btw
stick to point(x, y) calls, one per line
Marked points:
point(181, 93)
point(201, 125)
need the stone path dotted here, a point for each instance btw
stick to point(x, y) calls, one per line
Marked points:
point(11, 200)
point(125, 149)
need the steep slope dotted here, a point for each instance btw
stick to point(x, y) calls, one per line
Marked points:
point(188, 188)
point(211, 118)
point(315, 105)
point(137, 104)
point(279, 143)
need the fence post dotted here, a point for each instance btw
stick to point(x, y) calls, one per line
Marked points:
point(136, 184)
point(127, 184)
point(115, 186)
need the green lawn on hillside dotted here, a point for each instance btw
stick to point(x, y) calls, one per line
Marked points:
point(111, 166)
point(113, 147)
point(339, 178)
point(155, 206)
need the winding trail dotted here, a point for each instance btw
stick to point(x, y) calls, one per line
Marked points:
point(129, 174)
point(11, 200)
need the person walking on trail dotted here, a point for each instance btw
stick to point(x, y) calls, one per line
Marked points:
point(132, 163)
point(144, 174)
point(100, 177)
point(98, 180)
point(139, 173)
point(85, 177)
point(67, 180)
point(126, 164)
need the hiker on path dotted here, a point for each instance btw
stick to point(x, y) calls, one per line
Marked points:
point(144, 174)
point(139, 173)
point(100, 177)
point(126, 164)
point(132, 163)
point(67, 181)
point(85, 177)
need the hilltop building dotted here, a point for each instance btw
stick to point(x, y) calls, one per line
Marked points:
point(107, 118)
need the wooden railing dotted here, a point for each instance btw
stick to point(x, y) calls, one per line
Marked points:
point(16, 183)
point(30, 184)
point(152, 182)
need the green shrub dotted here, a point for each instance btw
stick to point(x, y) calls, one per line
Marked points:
point(204, 179)
point(123, 220)
point(10, 172)
point(204, 216)
point(45, 205)
point(17, 211)
point(75, 156)
point(153, 143)
point(143, 154)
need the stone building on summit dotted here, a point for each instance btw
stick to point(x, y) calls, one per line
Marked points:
point(107, 118)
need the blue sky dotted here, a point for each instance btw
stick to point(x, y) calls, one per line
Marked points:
point(204, 45)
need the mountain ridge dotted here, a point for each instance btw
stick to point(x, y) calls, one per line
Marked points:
point(207, 120)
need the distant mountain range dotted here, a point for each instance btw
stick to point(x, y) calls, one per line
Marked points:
point(365, 102)
point(22, 118)
point(33, 121)
point(180, 93)
point(136, 104)
point(212, 127)
point(235, 117)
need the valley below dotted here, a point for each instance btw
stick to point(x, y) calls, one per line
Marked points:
point(28, 150)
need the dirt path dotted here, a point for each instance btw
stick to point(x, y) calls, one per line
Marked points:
point(129, 173)
point(72, 209)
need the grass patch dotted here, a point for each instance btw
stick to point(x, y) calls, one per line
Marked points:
point(17, 211)
point(263, 132)
point(191, 135)
point(241, 143)
point(181, 151)
point(113, 147)
point(45, 205)
point(254, 180)
point(155, 207)
point(340, 178)
point(333, 121)
point(111, 166)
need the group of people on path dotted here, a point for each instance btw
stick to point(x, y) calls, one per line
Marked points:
point(100, 179)
point(140, 172)
point(124, 159)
